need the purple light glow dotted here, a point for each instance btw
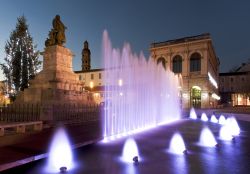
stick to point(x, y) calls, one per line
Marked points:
point(149, 92)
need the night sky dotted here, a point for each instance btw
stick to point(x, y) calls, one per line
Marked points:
point(139, 22)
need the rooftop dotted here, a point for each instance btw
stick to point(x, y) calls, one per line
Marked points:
point(234, 73)
point(181, 40)
point(241, 70)
point(245, 67)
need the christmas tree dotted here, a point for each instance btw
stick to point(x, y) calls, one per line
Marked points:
point(22, 60)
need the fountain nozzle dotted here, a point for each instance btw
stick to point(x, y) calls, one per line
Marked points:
point(136, 160)
point(217, 145)
point(63, 169)
point(185, 152)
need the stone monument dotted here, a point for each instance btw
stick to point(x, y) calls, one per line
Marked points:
point(56, 83)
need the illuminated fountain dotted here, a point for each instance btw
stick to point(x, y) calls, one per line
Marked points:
point(207, 138)
point(139, 94)
point(222, 120)
point(60, 154)
point(204, 117)
point(192, 114)
point(177, 145)
point(130, 152)
point(225, 133)
point(233, 125)
point(214, 119)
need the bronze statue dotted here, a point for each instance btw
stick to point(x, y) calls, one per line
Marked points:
point(57, 33)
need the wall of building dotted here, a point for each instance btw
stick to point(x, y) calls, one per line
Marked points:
point(93, 82)
point(235, 88)
point(209, 63)
point(92, 78)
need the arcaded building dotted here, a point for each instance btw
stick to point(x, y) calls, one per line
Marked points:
point(194, 61)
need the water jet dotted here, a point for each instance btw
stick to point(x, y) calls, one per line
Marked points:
point(214, 119)
point(192, 114)
point(130, 152)
point(204, 117)
point(177, 145)
point(207, 138)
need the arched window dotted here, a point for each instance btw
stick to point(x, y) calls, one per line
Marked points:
point(195, 62)
point(177, 64)
point(162, 61)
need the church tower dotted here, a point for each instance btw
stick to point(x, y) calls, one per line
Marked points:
point(86, 57)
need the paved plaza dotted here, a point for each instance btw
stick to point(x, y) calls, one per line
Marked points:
point(230, 157)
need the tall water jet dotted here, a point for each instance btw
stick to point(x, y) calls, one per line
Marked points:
point(60, 153)
point(130, 151)
point(131, 100)
point(225, 133)
point(192, 114)
point(207, 138)
point(204, 117)
point(214, 119)
point(234, 127)
point(222, 120)
point(177, 145)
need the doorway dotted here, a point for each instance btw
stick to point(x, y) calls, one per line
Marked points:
point(195, 97)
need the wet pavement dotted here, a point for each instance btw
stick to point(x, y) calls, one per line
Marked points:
point(231, 157)
point(28, 147)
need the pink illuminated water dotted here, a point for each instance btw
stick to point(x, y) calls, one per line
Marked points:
point(214, 119)
point(60, 154)
point(207, 138)
point(177, 145)
point(192, 114)
point(204, 117)
point(234, 127)
point(130, 150)
point(139, 94)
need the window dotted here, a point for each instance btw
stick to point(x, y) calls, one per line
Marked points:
point(177, 64)
point(92, 76)
point(232, 79)
point(222, 79)
point(100, 75)
point(80, 77)
point(242, 79)
point(195, 62)
point(162, 61)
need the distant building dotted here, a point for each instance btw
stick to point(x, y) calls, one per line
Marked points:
point(92, 78)
point(93, 81)
point(235, 87)
point(194, 60)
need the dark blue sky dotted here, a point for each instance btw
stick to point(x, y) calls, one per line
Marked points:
point(139, 22)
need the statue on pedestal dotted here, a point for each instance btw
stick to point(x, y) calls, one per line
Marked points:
point(57, 33)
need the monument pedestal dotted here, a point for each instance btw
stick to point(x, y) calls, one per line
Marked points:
point(56, 83)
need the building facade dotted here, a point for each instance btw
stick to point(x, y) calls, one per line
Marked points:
point(235, 87)
point(194, 60)
point(93, 82)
